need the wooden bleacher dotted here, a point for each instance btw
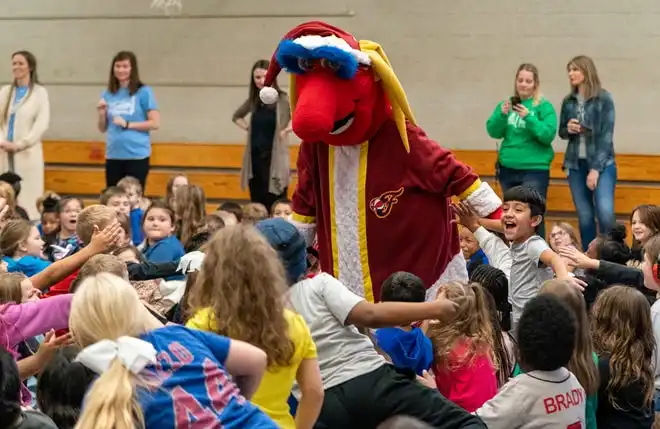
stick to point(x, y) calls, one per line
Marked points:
point(77, 168)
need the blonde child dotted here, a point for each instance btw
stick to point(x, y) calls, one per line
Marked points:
point(239, 293)
point(622, 332)
point(8, 199)
point(464, 365)
point(22, 248)
point(64, 241)
point(254, 212)
point(173, 186)
point(189, 213)
point(281, 208)
point(133, 189)
point(160, 377)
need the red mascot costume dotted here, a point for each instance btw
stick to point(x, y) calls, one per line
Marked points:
point(371, 185)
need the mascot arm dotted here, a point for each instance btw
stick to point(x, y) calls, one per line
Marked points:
point(437, 170)
point(304, 210)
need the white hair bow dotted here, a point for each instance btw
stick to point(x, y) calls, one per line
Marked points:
point(191, 262)
point(134, 354)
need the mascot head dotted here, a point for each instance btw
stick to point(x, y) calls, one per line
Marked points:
point(341, 88)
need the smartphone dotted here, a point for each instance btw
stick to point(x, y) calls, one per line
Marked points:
point(515, 100)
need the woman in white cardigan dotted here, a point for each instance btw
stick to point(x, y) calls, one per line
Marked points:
point(24, 118)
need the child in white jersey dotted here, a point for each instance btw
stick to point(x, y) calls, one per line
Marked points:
point(547, 395)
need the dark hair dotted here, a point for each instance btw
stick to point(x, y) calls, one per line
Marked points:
point(280, 201)
point(253, 96)
point(158, 204)
point(547, 333)
point(10, 388)
point(61, 388)
point(404, 422)
point(50, 205)
point(134, 82)
point(234, 208)
point(497, 284)
point(613, 247)
point(403, 287)
point(528, 195)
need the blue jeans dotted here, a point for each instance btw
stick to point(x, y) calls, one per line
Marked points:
point(537, 179)
point(592, 205)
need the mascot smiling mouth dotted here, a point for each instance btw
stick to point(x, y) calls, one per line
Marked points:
point(341, 90)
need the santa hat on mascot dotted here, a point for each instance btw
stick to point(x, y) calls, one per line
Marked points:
point(318, 40)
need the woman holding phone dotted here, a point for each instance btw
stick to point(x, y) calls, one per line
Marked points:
point(526, 124)
point(587, 122)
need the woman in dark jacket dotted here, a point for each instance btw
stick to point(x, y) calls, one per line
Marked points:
point(587, 122)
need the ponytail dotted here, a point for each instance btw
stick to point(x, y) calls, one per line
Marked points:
point(112, 402)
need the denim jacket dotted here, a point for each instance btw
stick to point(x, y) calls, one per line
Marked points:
point(599, 118)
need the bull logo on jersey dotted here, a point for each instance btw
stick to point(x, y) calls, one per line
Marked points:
point(383, 204)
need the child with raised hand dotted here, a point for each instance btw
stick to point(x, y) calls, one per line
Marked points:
point(239, 293)
point(407, 346)
point(465, 365)
point(133, 189)
point(156, 376)
point(622, 333)
point(547, 395)
point(533, 262)
point(361, 388)
point(22, 248)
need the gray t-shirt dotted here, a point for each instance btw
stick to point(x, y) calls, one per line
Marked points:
point(527, 274)
point(537, 400)
point(343, 353)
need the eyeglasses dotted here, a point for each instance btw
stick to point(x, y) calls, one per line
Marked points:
point(560, 233)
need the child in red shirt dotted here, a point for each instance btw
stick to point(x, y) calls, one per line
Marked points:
point(464, 363)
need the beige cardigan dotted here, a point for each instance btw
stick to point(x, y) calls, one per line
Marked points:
point(31, 122)
point(280, 164)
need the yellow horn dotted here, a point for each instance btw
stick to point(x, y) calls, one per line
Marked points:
point(392, 87)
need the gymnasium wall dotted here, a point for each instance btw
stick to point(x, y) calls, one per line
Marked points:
point(456, 59)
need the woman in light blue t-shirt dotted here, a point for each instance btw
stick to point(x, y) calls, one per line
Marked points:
point(127, 113)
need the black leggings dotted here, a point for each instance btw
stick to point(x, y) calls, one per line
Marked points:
point(366, 401)
point(117, 169)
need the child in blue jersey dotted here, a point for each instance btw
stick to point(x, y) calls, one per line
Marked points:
point(177, 378)
point(133, 189)
point(22, 248)
point(407, 346)
point(160, 244)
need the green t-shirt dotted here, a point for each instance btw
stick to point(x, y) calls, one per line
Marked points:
point(526, 143)
point(592, 400)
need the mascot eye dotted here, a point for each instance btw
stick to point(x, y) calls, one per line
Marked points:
point(304, 64)
point(330, 64)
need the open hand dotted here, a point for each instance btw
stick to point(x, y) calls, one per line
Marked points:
point(577, 258)
point(51, 344)
point(506, 107)
point(427, 379)
point(466, 216)
point(106, 240)
point(102, 106)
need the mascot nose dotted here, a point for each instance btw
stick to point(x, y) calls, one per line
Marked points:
point(316, 107)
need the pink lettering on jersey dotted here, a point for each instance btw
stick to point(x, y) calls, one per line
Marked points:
point(563, 401)
point(219, 387)
point(181, 353)
point(189, 413)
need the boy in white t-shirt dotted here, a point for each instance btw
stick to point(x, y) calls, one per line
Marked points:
point(546, 395)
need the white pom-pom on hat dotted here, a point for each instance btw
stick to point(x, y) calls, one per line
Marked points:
point(268, 95)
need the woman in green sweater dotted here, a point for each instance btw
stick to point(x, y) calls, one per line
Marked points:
point(527, 125)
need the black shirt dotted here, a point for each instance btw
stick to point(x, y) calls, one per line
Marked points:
point(632, 412)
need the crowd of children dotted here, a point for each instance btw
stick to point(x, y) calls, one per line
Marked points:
point(136, 313)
